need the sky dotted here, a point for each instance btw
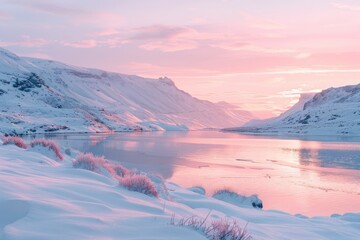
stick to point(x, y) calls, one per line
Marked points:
point(259, 55)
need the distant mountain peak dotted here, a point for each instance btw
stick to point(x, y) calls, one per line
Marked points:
point(333, 111)
point(167, 80)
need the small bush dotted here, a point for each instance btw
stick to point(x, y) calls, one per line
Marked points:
point(225, 229)
point(18, 141)
point(120, 170)
point(89, 162)
point(126, 178)
point(115, 171)
point(139, 183)
point(48, 144)
point(221, 229)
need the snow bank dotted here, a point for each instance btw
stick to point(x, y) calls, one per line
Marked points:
point(238, 200)
point(41, 198)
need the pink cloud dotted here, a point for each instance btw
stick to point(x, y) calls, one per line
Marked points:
point(267, 25)
point(303, 55)
point(114, 42)
point(107, 20)
point(242, 46)
point(48, 7)
point(154, 70)
point(4, 15)
point(160, 32)
point(164, 38)
point(107, 32)
point(89, 43)
point(347, 6)
point(25, 42)
point(39, 55)
point(170, 46)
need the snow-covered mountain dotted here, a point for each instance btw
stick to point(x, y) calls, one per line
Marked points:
point(39, 95)
point(334, 111)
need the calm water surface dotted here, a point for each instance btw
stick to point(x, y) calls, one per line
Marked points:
point(310, 176)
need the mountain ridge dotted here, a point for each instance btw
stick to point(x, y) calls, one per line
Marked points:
point(333, 111)
point(39, 95)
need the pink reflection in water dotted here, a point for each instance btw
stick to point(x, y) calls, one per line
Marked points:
point(311, 177)
point(290, 175)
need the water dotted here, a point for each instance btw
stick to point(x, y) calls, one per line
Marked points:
point(313, 176)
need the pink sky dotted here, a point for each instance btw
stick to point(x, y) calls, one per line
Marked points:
point(257, 54)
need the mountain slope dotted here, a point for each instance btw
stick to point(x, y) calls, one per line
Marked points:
point(334, 111)
point(43, 96)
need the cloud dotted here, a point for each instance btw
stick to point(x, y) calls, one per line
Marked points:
point(107, 32)
point(47, 7)
point(92, 43)
point(170, 46)
point(267, 25)
point(113, 42)
point(309, 71)
point(295, 92)
point(160, 32)
point(4, 15)
point(153, 70)
point(347, 6)
point(89, 43)
point(38, 55)
point(104, 19)
point(25, 42)
point(243, 46)
point(163, 38)
point(303, 55)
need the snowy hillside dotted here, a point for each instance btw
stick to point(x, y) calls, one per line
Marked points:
point(44, 96)
point(334, 111)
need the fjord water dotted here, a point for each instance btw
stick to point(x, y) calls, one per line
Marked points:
point(310, 176)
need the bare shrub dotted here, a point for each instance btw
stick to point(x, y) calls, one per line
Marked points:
point(53, 146)
point(221, 229)
point(18, 141)
point(226, 229)
point(89, 162)
point(128, 179)
point(120, 170)
point(139, 183)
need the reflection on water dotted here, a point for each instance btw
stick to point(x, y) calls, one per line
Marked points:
point(309, 176)
point(330, 158)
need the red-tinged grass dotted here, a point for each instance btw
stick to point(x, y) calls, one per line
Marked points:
point(126, 178)
point(220, 229)
point(48, 144)
point(18, 141)
point(139, 183)
point(121, 171)
point(89, 162)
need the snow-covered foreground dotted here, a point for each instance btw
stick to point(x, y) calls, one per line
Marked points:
point(45, 198)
